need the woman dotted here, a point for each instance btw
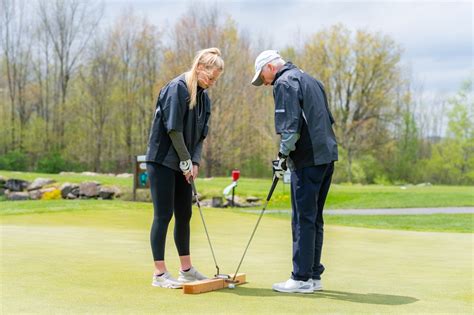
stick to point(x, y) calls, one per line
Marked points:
point(173, 155)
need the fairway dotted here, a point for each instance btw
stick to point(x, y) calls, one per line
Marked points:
point(99, 261)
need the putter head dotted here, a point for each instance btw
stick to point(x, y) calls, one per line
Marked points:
point(222, 276)
point(232, 281)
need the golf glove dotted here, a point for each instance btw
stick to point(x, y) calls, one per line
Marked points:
point(186, 166)
point(279, 166)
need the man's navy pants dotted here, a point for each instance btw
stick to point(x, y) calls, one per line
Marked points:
point(309, 188)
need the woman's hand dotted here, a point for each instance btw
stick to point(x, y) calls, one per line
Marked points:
point(187, 168)
point(189, 176)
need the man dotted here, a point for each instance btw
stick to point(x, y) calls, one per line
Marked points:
point(308, 146)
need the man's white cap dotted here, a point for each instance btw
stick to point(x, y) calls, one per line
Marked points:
point(262, 59)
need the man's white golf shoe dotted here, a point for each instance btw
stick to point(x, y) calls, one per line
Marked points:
point(294, 286)
point(317, 285)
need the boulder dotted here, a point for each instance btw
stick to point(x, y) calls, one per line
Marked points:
point(18, 195)
point(68, 188)
point(89, 189)
point(124, 175)
point(238, 201)
point(35, 194)
point(89, 174)
point(252, 199)
point(67, 173)
point(40, 183)
point(217, 202)
point(71, 196)
point(205, 203)
point(16, 184)
point(106, 192)
point(200, 197)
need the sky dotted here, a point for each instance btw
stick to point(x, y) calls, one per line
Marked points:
point(436, 36)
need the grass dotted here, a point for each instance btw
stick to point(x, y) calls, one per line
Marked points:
point(97, 259)
point(461, 223)
point(340, 196)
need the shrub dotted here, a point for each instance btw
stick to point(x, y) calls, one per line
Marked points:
point(52, 195)
point(14, 161)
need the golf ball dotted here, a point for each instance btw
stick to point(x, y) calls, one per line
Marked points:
point(231, 286)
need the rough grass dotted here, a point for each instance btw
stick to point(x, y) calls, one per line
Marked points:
point(340, 196)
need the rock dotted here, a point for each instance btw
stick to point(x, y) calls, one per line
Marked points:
point(124, 175)
point(75, 191)
point(40, 183)
point(217, 202)
point(16, 184)
point(238, 201)
point(205, 203)
point(116, 190)
point(49, 189)
point(89, 189)
point(35, 194)
point(200, 197)
point(70, 196)
point(252, 199)
point(67, 173)
point(68, 188)
point(106, 192)
point(89, 174)
point(18, 195)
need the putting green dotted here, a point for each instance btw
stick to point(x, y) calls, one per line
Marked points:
point(100, 262)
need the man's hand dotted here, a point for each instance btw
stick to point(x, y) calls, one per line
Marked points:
point(195, 171)
point(187, 169)
point(279, 166)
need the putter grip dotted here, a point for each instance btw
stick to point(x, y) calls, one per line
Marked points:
point(270, 193)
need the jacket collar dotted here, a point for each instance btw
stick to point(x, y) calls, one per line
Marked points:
point(287, 66)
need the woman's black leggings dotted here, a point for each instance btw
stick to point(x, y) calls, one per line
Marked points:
point(170, 192)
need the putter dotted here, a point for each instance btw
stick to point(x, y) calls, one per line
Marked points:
point(217, 275)
point(270, 193)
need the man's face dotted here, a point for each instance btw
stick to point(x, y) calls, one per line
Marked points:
point(268, 74)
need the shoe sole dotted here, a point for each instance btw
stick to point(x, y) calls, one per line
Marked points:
point(306, 291)
point(166, 286)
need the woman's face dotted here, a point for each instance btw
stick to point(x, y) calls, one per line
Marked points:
point(207, 78)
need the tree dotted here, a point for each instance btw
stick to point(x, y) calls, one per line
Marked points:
point(69, 25)
point(17, 55)
point(97, 82)
point(240, 134)
point(137, 49)
point(361, 74)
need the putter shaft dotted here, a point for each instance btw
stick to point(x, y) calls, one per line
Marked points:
point(204, 223)
point(270, 193)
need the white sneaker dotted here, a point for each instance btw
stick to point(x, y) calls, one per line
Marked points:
point(294, 286)
point(190, 276)
point(166, 281)
point(317, 285)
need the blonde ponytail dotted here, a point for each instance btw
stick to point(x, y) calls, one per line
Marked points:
point(211, 59)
